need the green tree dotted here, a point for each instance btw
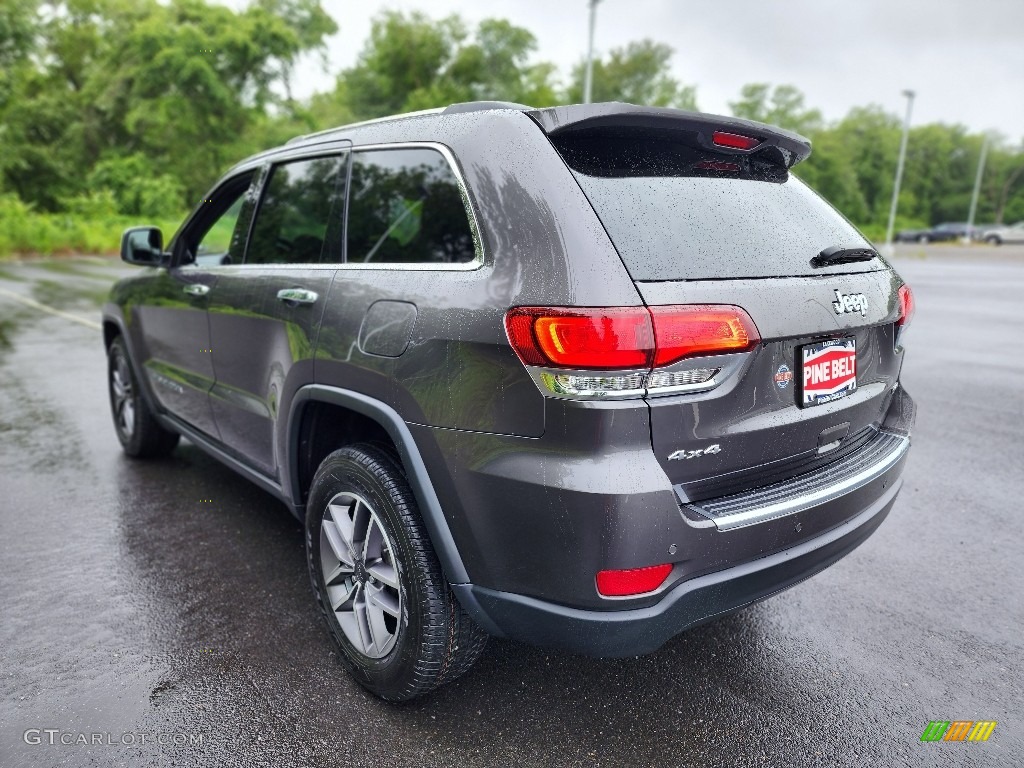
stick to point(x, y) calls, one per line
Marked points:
point(411, 62)
point(782, 106)
point(176, 82)
point(831, 171)
point(638, 73)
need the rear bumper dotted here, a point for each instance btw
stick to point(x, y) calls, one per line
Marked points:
point(689, 603)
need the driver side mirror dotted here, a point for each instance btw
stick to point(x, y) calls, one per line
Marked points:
point(143, 246)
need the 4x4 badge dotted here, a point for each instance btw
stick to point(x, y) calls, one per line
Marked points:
point(684, 454)
point(850, 302)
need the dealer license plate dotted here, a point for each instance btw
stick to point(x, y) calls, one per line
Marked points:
point(829, 371)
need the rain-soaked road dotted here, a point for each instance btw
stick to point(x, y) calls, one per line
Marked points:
point(132, 609)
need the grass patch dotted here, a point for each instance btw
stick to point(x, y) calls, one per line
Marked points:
point(26, 232)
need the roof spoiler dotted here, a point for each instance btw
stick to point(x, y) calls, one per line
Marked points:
point(716, 132)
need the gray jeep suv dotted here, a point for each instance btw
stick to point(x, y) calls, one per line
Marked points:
point(584, 376)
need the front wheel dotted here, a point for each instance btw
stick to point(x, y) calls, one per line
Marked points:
point(141, 435)
point(378, 582)
point(993, 240)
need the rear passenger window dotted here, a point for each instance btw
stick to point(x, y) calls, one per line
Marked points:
point(405, 207)
point(294, 215)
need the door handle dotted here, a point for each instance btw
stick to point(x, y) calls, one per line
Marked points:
point(196, 289)
point(297, 296)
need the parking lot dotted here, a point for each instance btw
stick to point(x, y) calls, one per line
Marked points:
point(170, 599)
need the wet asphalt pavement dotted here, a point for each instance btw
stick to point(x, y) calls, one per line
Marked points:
point(170, 600)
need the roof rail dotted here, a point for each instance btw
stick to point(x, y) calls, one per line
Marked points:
point(481, 106)
point(360, 124)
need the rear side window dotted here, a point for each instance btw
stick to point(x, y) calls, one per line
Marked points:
point(406, 207)
point(296, 210)
point(677, 213)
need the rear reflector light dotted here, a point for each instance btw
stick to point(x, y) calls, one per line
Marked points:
point(635, 581)
point(906, 306)
point(733, 140)
point(616, 338)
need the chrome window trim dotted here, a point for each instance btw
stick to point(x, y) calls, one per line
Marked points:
point(467, 202)
point(303, 153)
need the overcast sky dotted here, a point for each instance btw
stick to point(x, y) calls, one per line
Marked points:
point(964, 58)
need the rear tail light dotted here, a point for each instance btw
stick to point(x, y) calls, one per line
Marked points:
point(907, 307)
point(637, 339)
point(700, 329)
point(607, 338)
point(635, 581)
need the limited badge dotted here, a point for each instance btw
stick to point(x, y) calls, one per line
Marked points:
point(783, 376)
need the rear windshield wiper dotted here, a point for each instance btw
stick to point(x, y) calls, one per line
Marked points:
point(838, 255)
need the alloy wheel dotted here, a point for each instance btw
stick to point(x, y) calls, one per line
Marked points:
point(360, 575)
point(123, 396)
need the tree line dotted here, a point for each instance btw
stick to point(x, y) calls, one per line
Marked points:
point(134, 107)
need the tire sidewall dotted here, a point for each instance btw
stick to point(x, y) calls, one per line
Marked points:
point(387, 676)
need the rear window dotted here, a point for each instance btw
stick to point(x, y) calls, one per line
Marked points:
point(406, 207)
point(676, 212)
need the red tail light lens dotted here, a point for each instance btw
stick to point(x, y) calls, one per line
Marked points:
point(691, 330)
point(608, 338)
point(907, 306)
point(614, 338)
point(733, 140)
point(635, 581)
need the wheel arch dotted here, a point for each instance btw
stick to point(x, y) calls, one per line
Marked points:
point(387, 422)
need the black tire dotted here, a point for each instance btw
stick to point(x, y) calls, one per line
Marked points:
point(434, 640)
point(923, 239)
point(993, 240)
point(141, 435)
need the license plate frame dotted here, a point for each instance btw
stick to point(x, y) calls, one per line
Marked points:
point(828, 371)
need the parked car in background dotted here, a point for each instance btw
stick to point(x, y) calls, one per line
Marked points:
point(997, 235)
point(938, 234)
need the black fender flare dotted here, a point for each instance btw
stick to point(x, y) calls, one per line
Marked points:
point(416, 471)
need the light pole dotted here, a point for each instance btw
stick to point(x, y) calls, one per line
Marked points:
point(588, 77)
point(899, 173)
point(977, 188)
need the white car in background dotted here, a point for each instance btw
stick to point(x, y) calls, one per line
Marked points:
point(1012, 233)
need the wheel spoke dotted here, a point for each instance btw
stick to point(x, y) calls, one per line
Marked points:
point(382, 600)
point(361, 520)
point(378, 629)
point(373, 541)
point(117, 385)
point(385, 573)
point(338, 575)
point(338, 534)
point(363, 623)
point(128, 416)
point(341, 596)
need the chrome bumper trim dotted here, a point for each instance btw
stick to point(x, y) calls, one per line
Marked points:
point(810, 490)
